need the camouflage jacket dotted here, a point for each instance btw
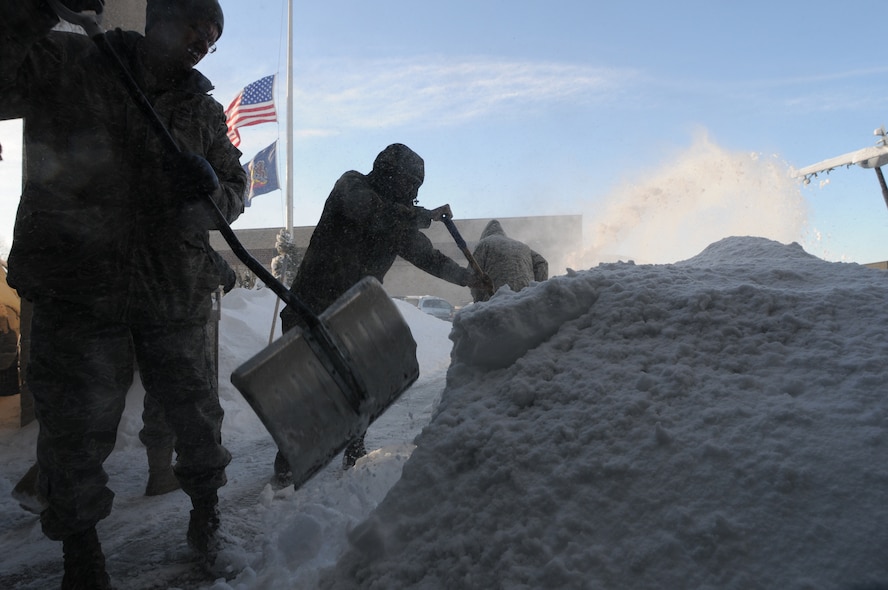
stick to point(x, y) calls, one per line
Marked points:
point(99, 222)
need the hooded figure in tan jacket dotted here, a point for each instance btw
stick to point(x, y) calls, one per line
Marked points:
point(507, 261)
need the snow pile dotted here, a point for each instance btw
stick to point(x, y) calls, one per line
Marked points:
point(715, 423)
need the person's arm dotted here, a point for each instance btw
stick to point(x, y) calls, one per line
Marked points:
point(417, 249)
point(214, 170)
point(225, 159)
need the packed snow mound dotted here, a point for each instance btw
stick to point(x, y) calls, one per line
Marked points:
point(494, 335)
point(697, 425)
point(740, 250)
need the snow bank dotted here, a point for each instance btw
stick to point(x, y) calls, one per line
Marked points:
point(716, 423)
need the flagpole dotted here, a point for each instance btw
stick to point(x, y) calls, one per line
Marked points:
point(289, 171)
point(289, 162)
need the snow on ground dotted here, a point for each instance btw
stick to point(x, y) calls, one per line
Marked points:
point(717, 423)
point(281, 539)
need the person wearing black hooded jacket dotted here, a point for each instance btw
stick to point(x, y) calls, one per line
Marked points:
point(111, 246)
point(369, 220)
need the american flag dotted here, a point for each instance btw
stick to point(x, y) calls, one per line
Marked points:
point(253, 105)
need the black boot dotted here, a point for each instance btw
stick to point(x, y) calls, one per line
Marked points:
point(354, 451)
point(84, 562)
point(203, 527)
point(161, 479)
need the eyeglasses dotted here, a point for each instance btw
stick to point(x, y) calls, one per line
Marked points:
point(205, 34)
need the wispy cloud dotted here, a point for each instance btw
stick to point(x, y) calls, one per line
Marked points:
point(375, 94)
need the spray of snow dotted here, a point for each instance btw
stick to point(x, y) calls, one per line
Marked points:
point(700, 195)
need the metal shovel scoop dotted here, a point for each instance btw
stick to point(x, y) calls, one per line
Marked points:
point(318, 388)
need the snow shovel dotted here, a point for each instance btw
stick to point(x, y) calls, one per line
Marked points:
point(318, 388)
point(447, 220)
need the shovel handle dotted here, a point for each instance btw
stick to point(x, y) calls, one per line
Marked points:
point(451, 227)
point(447, 220)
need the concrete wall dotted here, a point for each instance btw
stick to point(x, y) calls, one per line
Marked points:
point(124, 14)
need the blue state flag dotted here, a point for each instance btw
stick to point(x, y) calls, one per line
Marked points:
point(262, 173)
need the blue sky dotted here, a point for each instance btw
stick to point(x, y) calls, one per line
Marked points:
point(666, 125)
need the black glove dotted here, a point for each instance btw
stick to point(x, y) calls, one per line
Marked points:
point(423, 217)
point(96, 6)
point(191, 175)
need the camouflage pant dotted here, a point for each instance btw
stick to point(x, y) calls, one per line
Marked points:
point(156, 433)
point(80, 370)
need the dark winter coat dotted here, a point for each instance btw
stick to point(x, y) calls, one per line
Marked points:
point(507, 261)
point(99, 223)
point(360, 234)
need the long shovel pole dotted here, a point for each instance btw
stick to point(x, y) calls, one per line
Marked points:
point(317, 335)
point(447, 220)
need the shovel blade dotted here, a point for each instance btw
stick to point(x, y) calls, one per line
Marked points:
point(300, 404)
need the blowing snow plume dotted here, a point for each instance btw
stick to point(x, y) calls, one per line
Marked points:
point(703, 195)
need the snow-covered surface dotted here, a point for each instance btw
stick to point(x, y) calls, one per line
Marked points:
point(714, 423)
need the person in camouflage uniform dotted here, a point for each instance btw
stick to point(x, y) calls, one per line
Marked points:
point(111, 247)
point(369, 220)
